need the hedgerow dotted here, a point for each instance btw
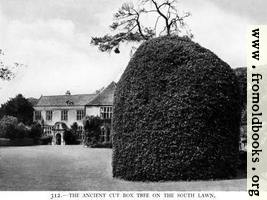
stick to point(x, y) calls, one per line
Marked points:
point(176, 114)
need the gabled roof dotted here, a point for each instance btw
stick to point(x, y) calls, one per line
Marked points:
point(105, 97)
point(65, 100)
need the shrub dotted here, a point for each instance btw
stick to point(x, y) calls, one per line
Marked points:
point(36, 131)
point(176, 114)
point(8, 126)
point(74, 127)
point(241, 74)
point(21, 131)
point(70, 137)
point(18, 107)
point(242, 163)
point(102, 145)
point(92, 129)
point(45, 140)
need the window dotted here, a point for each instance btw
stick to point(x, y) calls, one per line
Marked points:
point(80, 129)
point(49, 115)
point(80, 114)
point(37, 115)
point(106, 112)
point(102, 134)
point(48, 130)
point(64, 115)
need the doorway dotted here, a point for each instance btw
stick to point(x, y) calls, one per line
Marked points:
point(58, 139)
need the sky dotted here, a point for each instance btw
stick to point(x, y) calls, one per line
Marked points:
point(52, 40)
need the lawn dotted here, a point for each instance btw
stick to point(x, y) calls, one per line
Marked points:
point(79, 168)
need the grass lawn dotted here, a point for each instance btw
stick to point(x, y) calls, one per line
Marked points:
point(62, 168)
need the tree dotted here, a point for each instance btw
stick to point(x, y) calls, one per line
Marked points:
point(70, 135)
point(130, 27)
point(176, 114)
point(74, 127)
point(18, 107)
point(241, 74)
point(92, 129)
point(8, 126)
point(36, 131)
point(5, 72)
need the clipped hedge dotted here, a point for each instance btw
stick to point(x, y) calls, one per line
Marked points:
point(176, 114)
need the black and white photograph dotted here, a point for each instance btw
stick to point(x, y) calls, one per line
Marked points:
point(124, 95)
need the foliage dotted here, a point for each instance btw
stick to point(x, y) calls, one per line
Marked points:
point(45, 140)
point(102, 145)
point(8, 126)
point(242, 163)
point(33, 101)
point(5, 73)
point(6, 70)
point(36, 131)
point(21, 131)
point(241, 74)
point(176, 114)
point(70, 137)
point(129, 25)
point(74, 127)
point(92, 129)
point(18, 107)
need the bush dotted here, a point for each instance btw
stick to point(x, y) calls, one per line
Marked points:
point(36, 131)
point(241, 74)
point(242, 163)
point(176, 114)
point(70, 137)
point(102, 145)
point(8, 126)
point(18, 133)
point(18, 107)
point(92, 128)
point(21, 131)
point(45, 140)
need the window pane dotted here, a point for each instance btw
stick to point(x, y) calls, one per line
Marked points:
point(106, 112)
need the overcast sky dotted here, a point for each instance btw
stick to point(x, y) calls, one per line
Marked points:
point(52, 38)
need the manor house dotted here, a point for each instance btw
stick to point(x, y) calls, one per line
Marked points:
point(61, 111)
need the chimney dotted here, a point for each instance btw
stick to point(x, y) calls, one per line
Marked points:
point(68, 92)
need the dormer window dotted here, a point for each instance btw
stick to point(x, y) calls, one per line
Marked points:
point(69, 103)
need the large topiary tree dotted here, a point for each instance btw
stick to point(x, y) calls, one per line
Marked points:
point(176, 114)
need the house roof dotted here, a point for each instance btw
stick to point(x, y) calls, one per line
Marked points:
point(105, 97)
point(65, 100)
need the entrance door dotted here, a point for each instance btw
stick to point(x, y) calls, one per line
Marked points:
point(58, 139)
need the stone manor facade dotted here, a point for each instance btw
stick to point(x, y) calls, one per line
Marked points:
point(58, 112)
